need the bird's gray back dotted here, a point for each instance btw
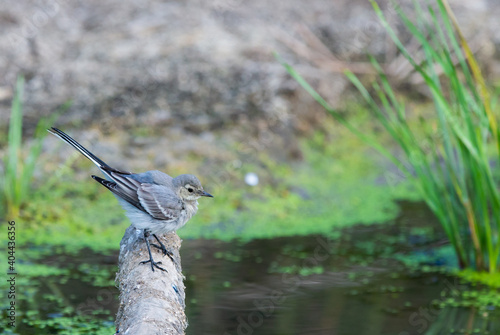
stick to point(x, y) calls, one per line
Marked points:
point(153, 177)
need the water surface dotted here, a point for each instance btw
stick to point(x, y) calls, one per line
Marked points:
point(346, 284)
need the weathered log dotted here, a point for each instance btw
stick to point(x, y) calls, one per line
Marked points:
point(151, 303)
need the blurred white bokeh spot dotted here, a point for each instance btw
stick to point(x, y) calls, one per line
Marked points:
point(251, 179)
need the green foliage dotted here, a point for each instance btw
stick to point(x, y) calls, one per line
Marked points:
point(420, 260)
point(484, 300)
point(19, 163)
point(101, 276)
point(71, 325)
point(85, 210)
point(484, 278)
point(289, 200)
point(335, 187)
point(451, 162)
point(296, 269)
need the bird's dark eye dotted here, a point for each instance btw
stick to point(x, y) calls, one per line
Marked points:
point(190, 190)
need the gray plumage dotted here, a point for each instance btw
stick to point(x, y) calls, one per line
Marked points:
point(153, 200)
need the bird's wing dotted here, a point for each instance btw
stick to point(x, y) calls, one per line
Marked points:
point(126, 193)
point(159, 201)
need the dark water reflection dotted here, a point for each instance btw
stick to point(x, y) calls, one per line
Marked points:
point(378, 298)
point(350, 285)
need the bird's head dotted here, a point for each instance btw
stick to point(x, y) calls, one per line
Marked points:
point(188, 187)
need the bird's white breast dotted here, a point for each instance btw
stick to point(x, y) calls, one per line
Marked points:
point(191, 207)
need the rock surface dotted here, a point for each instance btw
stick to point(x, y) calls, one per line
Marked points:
point(184, 70)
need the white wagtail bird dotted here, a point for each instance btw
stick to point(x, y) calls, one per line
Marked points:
point(153, 201)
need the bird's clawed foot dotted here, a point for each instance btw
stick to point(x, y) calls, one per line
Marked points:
point(163, 249)
point(150, 260)
point(153, 264)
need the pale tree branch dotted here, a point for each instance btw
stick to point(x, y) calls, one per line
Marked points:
point(151, 303)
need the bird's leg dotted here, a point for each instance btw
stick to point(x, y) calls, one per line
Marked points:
point(163, 249)
point(161, 246)
point(150, 260)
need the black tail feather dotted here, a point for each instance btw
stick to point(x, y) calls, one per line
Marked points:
point(68, 139)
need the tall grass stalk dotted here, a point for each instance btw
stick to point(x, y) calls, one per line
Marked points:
point(20, 163)
point(451, 163)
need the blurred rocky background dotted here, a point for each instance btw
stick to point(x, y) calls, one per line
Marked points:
point(143, 75)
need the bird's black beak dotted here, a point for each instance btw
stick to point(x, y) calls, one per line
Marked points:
point(206, 194)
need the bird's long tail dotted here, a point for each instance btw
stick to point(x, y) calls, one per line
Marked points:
point(93, 158)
